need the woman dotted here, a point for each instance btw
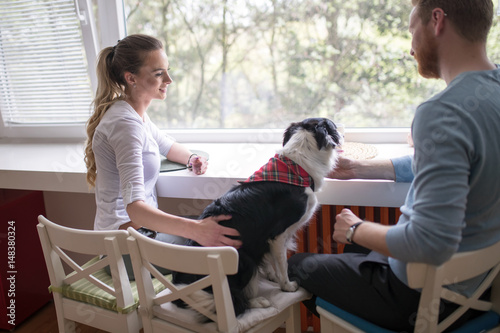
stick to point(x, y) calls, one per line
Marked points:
point(123, 147)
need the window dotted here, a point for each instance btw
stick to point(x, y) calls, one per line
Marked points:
point(44, 77)
point(263, 64)
point(237, 65)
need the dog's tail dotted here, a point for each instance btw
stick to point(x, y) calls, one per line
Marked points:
point(240, 302)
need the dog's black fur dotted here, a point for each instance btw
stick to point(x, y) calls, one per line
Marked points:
point(262, 211)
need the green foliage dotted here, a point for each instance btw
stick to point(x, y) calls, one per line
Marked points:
point(265, 63)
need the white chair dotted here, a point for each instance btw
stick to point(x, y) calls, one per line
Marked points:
point(88, 295)
point(160, 315)
point(431, 280)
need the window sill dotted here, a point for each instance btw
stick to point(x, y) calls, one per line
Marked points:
point(77, 132)
point(59, 166)
point(365, 135)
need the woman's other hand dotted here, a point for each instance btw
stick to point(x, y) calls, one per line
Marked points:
point(198, 164)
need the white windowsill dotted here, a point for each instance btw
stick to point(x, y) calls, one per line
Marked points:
point(365, 135)
point(77, 132)
point(56, 165)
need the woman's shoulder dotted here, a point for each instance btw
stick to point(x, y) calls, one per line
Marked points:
point(121, 109)
point(120, 117)
point(121, 112)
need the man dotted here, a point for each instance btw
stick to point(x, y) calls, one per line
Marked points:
point(454, 200)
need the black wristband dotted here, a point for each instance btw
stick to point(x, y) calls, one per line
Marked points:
point(350, 232)
point(188, 164)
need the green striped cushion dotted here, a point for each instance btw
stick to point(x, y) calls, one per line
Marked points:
point(85, 291)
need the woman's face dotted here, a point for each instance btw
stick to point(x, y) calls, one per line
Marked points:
point(152, 80)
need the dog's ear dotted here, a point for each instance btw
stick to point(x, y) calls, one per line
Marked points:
point(325, 134)
point(289, 132)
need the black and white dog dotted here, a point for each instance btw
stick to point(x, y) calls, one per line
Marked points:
point(271, 206)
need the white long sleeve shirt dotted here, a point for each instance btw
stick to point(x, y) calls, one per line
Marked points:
point(128, 153)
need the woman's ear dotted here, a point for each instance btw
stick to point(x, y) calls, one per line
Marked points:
point(129, 78)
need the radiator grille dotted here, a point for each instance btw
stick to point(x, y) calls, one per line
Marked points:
point(317, 238)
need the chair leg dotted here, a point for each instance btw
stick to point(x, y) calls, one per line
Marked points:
point(134, 323)
point(293, 322)
point(146, 324)
point(68, 326)
point(332, 324)
point(65, 325)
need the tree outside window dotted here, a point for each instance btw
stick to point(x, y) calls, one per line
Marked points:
point(266, 63)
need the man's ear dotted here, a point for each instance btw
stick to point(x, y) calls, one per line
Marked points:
point(437, 19)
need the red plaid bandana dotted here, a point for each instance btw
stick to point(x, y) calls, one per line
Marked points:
point(284, 170)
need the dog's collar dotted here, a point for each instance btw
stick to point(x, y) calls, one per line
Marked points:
point(284, 170)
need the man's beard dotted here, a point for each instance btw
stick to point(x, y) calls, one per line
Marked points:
point(427, 58)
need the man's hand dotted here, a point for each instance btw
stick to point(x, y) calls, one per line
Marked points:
point(344, 221)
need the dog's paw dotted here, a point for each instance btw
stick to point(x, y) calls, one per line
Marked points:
point(259, 302)
point(289, 286)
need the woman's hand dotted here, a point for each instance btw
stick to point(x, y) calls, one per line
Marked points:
point(209, 232)
point(181, 154)
point(198, 164)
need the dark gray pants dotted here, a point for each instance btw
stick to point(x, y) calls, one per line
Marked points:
point(362, 284)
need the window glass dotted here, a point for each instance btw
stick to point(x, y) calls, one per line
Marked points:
point(264, 63)
point(44, 77)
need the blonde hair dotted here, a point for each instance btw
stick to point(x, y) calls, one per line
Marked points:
point(128, 55)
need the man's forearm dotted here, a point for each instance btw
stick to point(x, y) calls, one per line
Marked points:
point(363, 169)
point(376, 169)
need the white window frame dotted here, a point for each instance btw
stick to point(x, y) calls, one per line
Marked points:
point(116, 29)
point(83, 10)
point(112, 16)
point(366, 135)
point(112, 28)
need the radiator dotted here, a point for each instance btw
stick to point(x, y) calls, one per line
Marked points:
point(317, 238)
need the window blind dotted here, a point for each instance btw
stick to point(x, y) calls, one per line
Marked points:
point(43, 69)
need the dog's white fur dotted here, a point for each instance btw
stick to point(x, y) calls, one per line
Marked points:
point(302, 148)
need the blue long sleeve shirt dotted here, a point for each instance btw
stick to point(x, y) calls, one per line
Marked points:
point(453, 204)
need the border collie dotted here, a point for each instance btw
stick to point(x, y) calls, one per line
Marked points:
point(270, 207)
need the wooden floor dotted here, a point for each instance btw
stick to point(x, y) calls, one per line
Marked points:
point(45, 321)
